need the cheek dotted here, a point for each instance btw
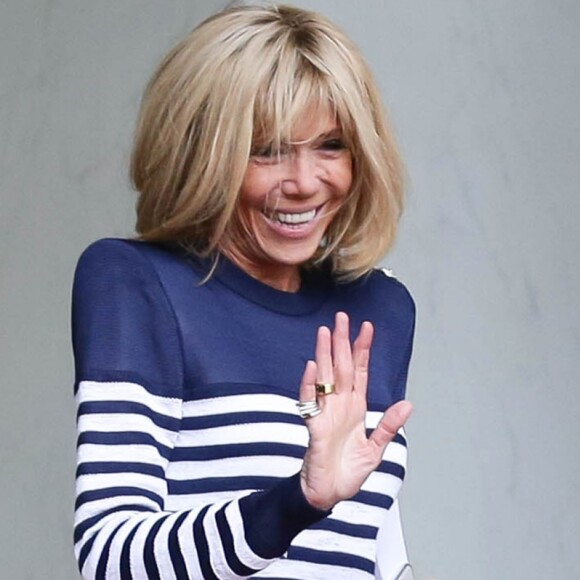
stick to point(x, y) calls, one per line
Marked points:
point(344, 178)
point(256, 187)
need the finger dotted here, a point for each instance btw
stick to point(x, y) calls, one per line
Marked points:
point(360, 357)
point(342, 354)
point(325, 372)
point(307, 385)
point(393, 419)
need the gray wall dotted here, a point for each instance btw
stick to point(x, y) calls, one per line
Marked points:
point(484, 97)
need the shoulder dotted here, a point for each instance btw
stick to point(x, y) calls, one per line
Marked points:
point(128, 261)
point(381, 290)
point(123, 324)
point(386, 280)
point(116, 252)
point(112, 273)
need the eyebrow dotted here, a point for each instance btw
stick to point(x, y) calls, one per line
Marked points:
point(332, 134)
point(337, 131)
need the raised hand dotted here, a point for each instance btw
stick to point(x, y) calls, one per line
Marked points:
point(340, 456)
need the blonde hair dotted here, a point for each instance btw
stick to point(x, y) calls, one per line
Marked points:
point(244, 76)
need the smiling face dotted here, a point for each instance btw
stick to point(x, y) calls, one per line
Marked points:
point(288, 199)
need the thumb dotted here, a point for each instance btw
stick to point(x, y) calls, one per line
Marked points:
point(393, 419)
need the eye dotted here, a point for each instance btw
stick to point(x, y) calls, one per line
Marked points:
point(333, 145)
point(269, 152)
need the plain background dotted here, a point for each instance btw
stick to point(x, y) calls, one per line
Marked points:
point(484, 99)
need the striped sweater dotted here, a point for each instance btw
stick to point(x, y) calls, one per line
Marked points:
point(189, 440)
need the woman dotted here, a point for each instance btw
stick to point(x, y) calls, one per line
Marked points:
point(269, 187)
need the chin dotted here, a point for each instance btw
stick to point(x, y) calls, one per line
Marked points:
point(289, 256)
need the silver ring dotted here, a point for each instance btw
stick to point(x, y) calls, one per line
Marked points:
point(308, 409)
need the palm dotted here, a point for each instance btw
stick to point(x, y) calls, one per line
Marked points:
point(340, 456)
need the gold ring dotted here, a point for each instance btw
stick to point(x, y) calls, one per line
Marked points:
point(324, 388)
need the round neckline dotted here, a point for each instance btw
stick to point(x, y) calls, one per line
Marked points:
point(312, 293)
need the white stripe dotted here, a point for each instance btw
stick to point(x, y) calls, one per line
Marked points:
point(250, 433)
point(328, 541)
point(245, 554)
point(396, 453)
point(97, 481)
point(383, 484)
point(301, 570)
point(353, 512)
point(90, 452)
point(240, 403)
point(372, 419)
point(267, 465)
point(90, 391)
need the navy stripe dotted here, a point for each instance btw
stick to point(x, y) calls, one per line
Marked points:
point(107, 380)
point(83, 526)
point(215, 484)
point(123, 438)
point(101, 570)
point(111, 492)
point(200, 542)
point(374, 499)
point(175, 550)
point(241, 418)
point(392, 468)
point(126, 573)
point(149, 552)
point(209, 452)
point(228, 544)
point(398, 438)
point(120, 467)
point(85, 550)
point(346, 528)
point(331, 558)
point(128, 407)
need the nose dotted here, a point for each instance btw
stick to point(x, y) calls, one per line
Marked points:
point(303, 175)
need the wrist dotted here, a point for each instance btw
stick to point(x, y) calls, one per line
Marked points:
point(314, 499)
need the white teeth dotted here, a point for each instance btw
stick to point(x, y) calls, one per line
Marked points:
point(295, 218)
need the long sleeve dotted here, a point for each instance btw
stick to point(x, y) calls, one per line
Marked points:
point(129, 391)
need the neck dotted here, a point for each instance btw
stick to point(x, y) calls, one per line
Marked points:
point(285, 277)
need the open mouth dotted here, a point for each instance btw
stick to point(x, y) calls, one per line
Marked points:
point(292, 219)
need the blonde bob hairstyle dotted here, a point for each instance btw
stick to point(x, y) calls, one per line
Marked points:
point(239, 81)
